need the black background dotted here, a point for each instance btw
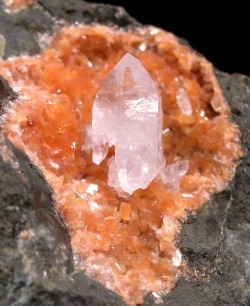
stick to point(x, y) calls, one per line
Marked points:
point(222, 35)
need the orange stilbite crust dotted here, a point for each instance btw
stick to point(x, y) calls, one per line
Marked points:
point(127, 246)
point(125, 210)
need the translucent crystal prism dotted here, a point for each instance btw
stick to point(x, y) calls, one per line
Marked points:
point(183, 101)
point(127, 114)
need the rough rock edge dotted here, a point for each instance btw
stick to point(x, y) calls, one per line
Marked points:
point(206, 257)
point(2, 46)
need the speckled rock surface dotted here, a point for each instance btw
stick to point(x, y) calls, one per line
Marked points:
point(34, 256)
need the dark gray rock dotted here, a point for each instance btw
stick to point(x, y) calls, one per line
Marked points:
point(34, 254)
point(6, 93)
point(21, 30)
point(80, 11)
point(5, 90)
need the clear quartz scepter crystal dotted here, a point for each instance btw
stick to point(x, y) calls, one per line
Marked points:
point(127, 114)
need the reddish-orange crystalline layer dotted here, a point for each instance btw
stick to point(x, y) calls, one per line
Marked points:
point(126, 244)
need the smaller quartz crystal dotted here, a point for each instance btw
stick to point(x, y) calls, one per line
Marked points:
point(127, 114)
point(172, 173)
point(183, 101)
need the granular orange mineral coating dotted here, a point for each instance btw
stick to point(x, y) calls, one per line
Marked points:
point(125, 210)
point(126, 244)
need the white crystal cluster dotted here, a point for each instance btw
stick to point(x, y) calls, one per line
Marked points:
point(127, 115)
point(183, 101)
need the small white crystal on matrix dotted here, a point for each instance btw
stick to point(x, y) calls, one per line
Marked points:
point(183, 101)
point(172, 173)
point(127, 114)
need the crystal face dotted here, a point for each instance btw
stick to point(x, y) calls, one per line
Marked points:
point(127, 114)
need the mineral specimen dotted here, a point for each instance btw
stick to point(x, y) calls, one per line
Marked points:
point(127, 244)
point(127, 114)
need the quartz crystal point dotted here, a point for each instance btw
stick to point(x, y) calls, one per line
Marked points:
point(127, 114)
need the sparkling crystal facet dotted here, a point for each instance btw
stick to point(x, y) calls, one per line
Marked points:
point(127, 114)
